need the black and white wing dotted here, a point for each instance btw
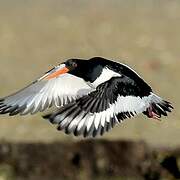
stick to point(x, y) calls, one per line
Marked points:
point(111, 103)
point(50, 89)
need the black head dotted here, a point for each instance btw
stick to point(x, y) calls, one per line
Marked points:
point(89, 70)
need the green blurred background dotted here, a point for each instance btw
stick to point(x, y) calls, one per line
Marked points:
point(36, 35)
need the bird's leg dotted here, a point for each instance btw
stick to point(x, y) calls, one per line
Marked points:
point(152, 114)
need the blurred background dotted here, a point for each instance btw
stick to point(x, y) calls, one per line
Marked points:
point(36, 35)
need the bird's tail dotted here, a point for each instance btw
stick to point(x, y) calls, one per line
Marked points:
point(157, 107)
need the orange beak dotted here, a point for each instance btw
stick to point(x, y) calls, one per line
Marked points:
point(57, 73)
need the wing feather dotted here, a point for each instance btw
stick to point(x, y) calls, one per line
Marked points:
point(43, 93)
point(91, 115)
point(100, 110)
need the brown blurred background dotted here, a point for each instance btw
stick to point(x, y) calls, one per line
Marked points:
point(36, 35)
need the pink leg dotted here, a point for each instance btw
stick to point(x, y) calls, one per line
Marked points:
point(153, 114)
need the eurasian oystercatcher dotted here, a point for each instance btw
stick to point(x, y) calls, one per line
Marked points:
point(91, 96)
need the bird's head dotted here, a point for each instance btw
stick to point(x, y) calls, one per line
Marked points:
point(88, 70)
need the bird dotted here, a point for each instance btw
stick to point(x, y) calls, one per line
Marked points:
point(90, 96)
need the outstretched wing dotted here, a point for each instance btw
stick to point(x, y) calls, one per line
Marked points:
point(112, 102)
point(54, 88)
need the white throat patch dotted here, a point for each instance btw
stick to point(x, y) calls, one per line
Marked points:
point(106, 75)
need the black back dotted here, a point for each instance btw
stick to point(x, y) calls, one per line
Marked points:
point(91, 69)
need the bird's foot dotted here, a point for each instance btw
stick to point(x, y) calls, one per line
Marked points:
point(153, 115)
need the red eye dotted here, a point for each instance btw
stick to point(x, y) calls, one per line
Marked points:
point(74, 64)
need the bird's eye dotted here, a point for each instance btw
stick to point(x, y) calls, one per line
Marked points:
point(74, 64)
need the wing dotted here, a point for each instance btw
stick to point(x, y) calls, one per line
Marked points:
point(53, 88)
point(93, 114)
